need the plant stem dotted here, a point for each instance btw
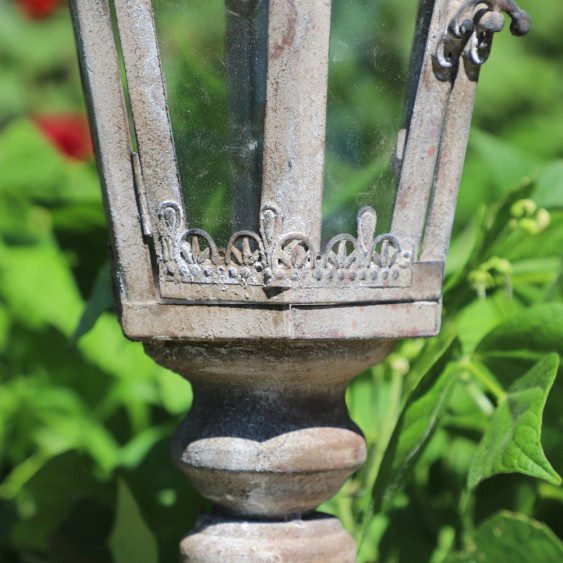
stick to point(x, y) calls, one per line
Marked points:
point(498, 392)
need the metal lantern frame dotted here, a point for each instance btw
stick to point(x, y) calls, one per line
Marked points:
point(399, 274)
point(270, 328)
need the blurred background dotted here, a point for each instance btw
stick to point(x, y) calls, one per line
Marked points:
point(86, 417)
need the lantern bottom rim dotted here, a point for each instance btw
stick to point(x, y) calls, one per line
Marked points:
point(317, 538)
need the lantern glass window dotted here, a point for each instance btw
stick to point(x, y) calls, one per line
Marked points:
point(370, 47)
point(214, 59)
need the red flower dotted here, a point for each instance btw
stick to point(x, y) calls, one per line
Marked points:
point(68, 132)
point(38, 9)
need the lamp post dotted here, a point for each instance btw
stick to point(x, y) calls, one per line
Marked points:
point(271, 324)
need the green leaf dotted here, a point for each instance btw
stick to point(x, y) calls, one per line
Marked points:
point(33, 167)
point(167, 500)
point(131, 539)
point(436, 352)
point(490, 232)
point(46, 500)
point(133, 453)
point(549, 190)
point(507, 163)
point(480, 317)
point(100, 300)
point(415, 426)
point(5, 325)
point(512, 443)
point(493, 167)
point(536, 330)
point(175, 392)
point(56, 303)
point(513, 537)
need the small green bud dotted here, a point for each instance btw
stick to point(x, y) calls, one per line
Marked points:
point(529, 226)
point(400, 365)
point(523, 208)
point(501, 265)
point(480, 278)
point(543, 219)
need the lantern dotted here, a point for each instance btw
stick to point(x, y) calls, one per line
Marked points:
point(271, 322)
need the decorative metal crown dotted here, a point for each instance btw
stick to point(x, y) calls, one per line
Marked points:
point(283, 260)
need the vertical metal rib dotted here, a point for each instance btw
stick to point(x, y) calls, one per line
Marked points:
point(148, 103)
point(110, 127)
point(295, 125)
point(450, 166)
point(424, 137)
point(464, 48)
point(418, 54)
point(246, 45)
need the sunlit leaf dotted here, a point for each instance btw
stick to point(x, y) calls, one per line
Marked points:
point(507, 162)
point(511, 443)
point(535, 331)
point(23, 271)
point(549, 190)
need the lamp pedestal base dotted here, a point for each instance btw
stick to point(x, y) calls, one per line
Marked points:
point(317, 538)
point(268, 439)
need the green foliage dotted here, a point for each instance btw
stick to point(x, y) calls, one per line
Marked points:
point(129, 524)
point(537, 329)
point(511, 443)
point(515, 538)
point(463, 430)
point(414, 428)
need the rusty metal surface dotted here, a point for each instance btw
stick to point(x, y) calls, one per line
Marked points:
point(287, 464)
point(423, 138)
point(317, 539)
point(426, 285)
point(157, 321)
point(101, 79)
point(463, 48)
point(459, 41)
point(449, 168)
point(294, 130)
point(269, 435)
point(471, 30)
point(278, 264)
point(149, 107)
point(418, 55)
point(193, 265)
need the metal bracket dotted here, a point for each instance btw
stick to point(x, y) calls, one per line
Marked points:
point(470, 33)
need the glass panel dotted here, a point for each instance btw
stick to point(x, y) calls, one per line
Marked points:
point(214, 60)
point(218, 154)
point(369, 58)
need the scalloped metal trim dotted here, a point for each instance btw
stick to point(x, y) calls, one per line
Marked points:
point(274, 259)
